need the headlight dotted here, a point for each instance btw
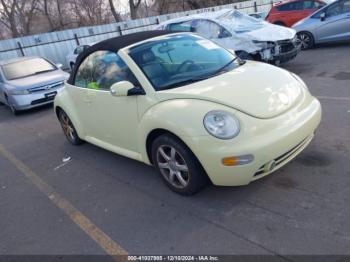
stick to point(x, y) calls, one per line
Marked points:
point(264, 44)
point(221, 124)
point(20, 92)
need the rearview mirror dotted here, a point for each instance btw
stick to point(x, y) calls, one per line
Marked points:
point(126, 88)
point(323, 16)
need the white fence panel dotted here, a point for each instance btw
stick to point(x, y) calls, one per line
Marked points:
point(55, 46)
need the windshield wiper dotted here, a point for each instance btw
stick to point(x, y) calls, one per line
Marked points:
point(180, 83)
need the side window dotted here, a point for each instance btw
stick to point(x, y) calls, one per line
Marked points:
point(80, 49)
point(209, 29)
point(309, 4)
point(101, 70)
point(184, 26)
point(294, 6)
point(333, 10)
point(346, 7)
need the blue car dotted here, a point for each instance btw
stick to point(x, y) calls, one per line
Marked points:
point(29, 82)
point(327, 25)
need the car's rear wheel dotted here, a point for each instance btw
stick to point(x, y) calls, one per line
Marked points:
point(69, 129)
point(177, 165)
point(305, 40)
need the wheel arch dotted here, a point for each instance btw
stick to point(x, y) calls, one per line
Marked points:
point(64, 103)
point(153, 135)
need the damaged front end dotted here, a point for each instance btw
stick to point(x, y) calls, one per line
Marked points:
point(276, 52)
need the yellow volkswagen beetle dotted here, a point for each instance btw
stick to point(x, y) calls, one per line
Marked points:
point(189, 107)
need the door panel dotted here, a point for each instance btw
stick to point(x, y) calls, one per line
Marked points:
point(110, 122)
point(113, 120)
point(336, 26)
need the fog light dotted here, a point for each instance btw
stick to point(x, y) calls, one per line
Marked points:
point(237, 160)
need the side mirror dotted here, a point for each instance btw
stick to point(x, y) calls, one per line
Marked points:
point(323, 16)
point(59, 66)
point(125, 88)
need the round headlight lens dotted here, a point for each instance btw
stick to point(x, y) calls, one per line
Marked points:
point(221, 124)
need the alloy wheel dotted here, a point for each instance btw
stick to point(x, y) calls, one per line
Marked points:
point(173, 166)
point(304, 40)
point(67, 127)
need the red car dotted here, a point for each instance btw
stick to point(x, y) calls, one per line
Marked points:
point(287, 13)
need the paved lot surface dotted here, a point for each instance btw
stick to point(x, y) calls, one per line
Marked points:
point(301, 209)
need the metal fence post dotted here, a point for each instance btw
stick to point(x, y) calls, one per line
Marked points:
point(76, 39)
point(120, 30)
point(255, 7)
point(21, 48)
point(157, 21)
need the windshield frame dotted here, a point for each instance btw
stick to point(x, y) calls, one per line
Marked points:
point(231, 65)
point(54, 68)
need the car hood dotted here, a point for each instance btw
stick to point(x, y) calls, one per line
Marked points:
point(257, 89)
point(253, 28)
point(38, 80)
point(270, 32)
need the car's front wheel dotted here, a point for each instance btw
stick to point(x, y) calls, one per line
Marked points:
point(69, 129)
point(305, 40)
point(177, 165)
point(12, 108)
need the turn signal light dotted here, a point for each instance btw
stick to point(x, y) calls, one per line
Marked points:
point(237, 160)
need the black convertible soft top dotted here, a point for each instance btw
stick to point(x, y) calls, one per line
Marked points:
point(114, 44)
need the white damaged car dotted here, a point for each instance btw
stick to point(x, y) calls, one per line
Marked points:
point(249, 37)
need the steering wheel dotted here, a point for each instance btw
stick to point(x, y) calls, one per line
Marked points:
point(187, 62)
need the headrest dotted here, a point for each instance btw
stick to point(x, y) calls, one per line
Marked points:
point(148, 56)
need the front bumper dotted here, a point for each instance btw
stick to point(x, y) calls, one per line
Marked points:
point(286, 56)
point(273, 143)
point(25, 102)
point(282, 52)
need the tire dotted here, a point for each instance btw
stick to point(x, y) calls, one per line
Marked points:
point(279, 23)
point(12, 108)
point(69, 129)
point(14, 111)
point(178, 166)
point(306, 40)
point(244, 55)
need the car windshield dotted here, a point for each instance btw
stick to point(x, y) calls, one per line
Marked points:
point(27, 68)
point(240, 22)
point(181, 59)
